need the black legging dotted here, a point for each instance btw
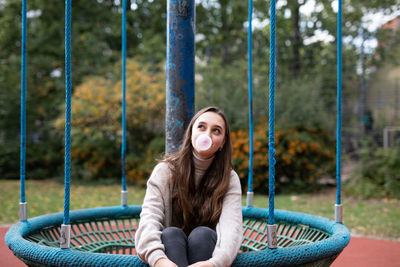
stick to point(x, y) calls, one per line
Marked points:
point(183, 250)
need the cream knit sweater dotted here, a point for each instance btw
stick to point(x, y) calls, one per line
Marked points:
point(156, 215)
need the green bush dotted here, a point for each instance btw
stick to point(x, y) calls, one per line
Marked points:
point(300, 103)
point(9, 160)
point(139, 168)
point(42, 160)
point(378, 173)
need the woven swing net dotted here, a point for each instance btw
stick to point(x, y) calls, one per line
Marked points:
point(117, 236)
point(105, 237)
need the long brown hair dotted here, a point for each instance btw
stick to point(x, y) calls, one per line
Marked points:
point(191, 207)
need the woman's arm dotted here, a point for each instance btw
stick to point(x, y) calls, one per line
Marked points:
point(229, 227)
point(148, 236)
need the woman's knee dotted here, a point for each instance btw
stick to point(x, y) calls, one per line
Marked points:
point(203, 235)
point(201, 244)
point(175, 243)
point(172, 232)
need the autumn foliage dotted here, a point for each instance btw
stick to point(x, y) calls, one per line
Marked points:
point(303, 157)
point(96, 122)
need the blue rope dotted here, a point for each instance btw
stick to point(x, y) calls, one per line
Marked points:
point(271, 141)
point(67, 157)
point(251, 129)
point(23, 107)
point(339, 102)
point(123, 148)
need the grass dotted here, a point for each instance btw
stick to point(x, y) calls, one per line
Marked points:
point(47, 196)
point(373, 218)
point(378, 218)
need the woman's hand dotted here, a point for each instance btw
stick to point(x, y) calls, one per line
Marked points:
point(164, 262)
point(202, 264)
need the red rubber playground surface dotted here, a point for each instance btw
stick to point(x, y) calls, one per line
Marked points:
point(365, 252)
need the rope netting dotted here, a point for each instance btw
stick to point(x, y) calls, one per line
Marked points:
point(117, 236)
point(106, 235)
point(288, 235)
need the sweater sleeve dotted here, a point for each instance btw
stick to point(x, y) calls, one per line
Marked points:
point(148, 236)
point(229, 228)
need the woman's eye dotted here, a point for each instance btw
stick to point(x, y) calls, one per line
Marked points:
point(217, 131)
point(201, 126)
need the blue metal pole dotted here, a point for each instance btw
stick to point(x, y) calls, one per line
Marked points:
point(23, 206)
point(180, 71)
point(338, 205)
point(68, 85)
point(251, 129)
point(123, 147)
point(250, 193)
point(271, 226)
point(339, 102)
point(65, 233)
point(23, 103)
point(271, 131)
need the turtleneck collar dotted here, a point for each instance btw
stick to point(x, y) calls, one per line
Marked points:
point(202, 164)
point(200, 167)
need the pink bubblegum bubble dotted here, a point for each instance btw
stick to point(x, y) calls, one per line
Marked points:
point(203, 142)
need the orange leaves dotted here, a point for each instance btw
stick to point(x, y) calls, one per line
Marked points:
point(97, 119)
point(302, 155)
point(97, 101)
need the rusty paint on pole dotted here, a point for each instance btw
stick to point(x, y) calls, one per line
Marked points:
point(180, 71)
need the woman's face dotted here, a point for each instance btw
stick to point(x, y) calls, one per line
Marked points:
point(212, 125)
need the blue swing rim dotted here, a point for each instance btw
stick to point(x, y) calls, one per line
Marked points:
point(288, 256)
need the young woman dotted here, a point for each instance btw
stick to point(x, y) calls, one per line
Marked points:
point(192, 211)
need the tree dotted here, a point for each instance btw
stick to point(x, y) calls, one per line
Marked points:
point(96, 120)
point(221, 42)
point(219, 26)
point(96, 46)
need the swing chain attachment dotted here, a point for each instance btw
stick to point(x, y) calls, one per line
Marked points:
point(271, 234)
point(23, 211)
point(250, 198)
point(124, 198)
point(65, 237)
point(339, 213)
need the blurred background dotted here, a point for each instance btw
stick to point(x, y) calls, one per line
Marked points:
point(305, 92)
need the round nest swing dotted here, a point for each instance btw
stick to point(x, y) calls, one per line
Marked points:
point(105, 237)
